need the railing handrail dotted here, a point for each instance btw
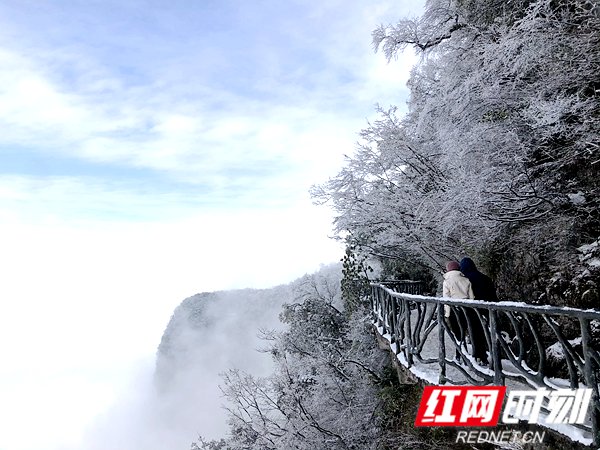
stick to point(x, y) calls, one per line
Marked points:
point(498, 306)
point(397, 281)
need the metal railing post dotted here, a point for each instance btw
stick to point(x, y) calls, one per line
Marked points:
point(495, 349)
point(384, 311)
point(590, 378)
point(394, 321)
point(442, 343)
point(408, 332)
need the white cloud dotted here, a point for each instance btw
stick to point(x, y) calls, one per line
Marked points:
point(156, 126)
point(81, 304)
point(190, 147)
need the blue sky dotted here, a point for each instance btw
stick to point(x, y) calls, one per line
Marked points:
point(150, 150)
point(220, 102)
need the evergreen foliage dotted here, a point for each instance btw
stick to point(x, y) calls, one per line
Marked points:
point(355, 279)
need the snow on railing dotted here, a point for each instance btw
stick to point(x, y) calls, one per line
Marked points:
point(542, 346)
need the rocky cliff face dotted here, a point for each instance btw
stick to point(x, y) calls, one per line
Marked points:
point(218, 330)
point(208, 334)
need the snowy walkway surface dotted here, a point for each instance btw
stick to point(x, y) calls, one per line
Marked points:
point(427, 367)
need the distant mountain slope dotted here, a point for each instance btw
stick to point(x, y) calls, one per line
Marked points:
point(215, 330)
point(212, 332)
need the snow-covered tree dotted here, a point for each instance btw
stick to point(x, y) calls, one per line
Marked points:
point(331, 386)
point(499, 154)
point(323, 393)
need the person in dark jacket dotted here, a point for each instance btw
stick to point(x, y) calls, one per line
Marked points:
point(483, 289)
point(483, 286)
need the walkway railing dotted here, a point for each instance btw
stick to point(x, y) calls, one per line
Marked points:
point(542, 346)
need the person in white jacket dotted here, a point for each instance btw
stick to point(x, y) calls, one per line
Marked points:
point(456, 285)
